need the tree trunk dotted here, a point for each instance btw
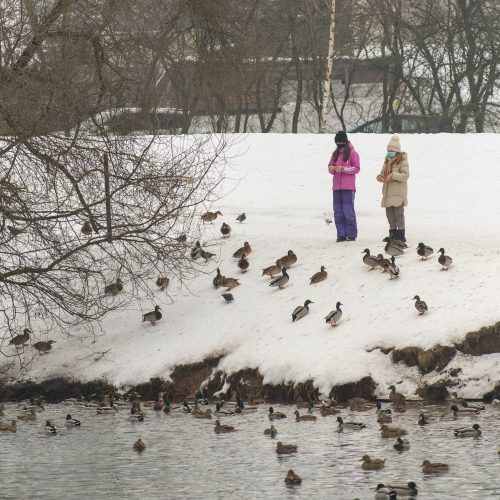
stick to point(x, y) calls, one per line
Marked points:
point(328, 70)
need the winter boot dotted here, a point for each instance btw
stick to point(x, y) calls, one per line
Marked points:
point(400, 235)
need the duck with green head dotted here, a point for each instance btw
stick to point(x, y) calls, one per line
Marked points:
point(301, 311)
point(280, 281)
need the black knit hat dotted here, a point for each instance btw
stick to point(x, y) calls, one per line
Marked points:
point(341, 136)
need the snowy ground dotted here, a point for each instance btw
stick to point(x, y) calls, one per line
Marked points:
point(282, 183)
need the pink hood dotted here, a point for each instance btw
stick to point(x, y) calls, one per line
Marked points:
point(346, 178)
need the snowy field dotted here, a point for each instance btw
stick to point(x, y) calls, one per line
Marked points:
point(282, 183)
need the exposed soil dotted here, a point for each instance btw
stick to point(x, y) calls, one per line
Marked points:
point(426, 360)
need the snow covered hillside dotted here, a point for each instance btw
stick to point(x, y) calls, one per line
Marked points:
point(282, 183)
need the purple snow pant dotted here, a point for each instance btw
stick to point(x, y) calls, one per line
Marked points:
point(344, 215)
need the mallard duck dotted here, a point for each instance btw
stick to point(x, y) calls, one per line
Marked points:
point(271, 431)
point(196, 251)
point(445, 260)
point(275, 415)
point(139, 445)
point(106, 410)
point(241, 218)
point(384, 419)
point(228, 297)
point(12, 427)
point(370, 260)
point(458, 412)
point(29, 415)
point(292, 479)
point(285, 449)
point(383, 492)
point(429, 468)
point(49, 428)
point(333, 317)
point(390, 432)
point(424, 251)
point(246, 249)
point(152, 316)
point(420, 305)
point(210, 216)
point(44, 347)
point(393, 269)
point(303, 418)
point(289, 259)
point(220, 429)
point(272, 270)
point(162, 283)
point(71, 422)
point(86, 229)
point(401, 444)
point(241, 407)
point(359, 404)
point(207, 414)
point(229, 283)
point(114, 288)
point(383, 262)
point(280, 281)
point(372, 463)
point(136, 417)
point(319, 276)
point(243, 264)
point(222, 412)
point(22, 339)
point(325, 412)
point(382, 411)
point(181, 239)
point(225, 230)
point(473, 406)
point(468, 431)
point(349, 425)
point(410, 490)
point(396, 397)
point(393, 248)
point(301, 311)
point(218, 280)
point(423, 420)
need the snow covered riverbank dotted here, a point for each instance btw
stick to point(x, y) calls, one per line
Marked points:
point(282, 183)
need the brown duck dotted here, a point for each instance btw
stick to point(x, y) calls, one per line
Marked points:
point(210, 216)
point(21, 339)
point(390, 432)
point(221, 429)
point(114, 288)
point(303, 418)
point(246, 249)
point(271, 271)
point(372, 463)
point(243, 264)
point(229, 283)
point(319, 276)
point(289, 259)
point(271, 431)
point(292, 479)
point(162, 282)
point(285, 449)
point(396, 398)
point(225, 230)
point(44, 347)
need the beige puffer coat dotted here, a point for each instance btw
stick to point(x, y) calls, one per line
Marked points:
point(395, 191)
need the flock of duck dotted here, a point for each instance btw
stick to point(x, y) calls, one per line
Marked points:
point(199, 407)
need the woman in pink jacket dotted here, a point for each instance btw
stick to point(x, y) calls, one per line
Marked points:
point(344, 165)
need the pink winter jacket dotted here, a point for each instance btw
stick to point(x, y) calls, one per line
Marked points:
point(346, 178)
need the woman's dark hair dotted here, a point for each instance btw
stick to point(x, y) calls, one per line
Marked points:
point(345, 156)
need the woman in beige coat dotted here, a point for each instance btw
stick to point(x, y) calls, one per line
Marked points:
point(394, 176)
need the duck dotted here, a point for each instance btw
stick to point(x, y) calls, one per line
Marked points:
point(392, 247)
point(383, 492)
point(370, 260)
point(445, 260)
point(303, 418)
point(285, 449)
point(139, 445)
point(383, 262)
point(44, 347)
point(221, 429)
point(114, 288)
point(460, 412)
point(456, 400)
point(292, 479)
point(333, 317)
point(289, 259)
point(49, 428)
point(210, 216)
point(423, 420)
point(410, 490)
point(71, 422)
point(325, 412)
point(382, 411)
point(243, 264)
point(393, 268)
point(420, 305)
point(424, 251)
point(359, 404)
point(271, 431)
point(402, 444)
point(301, 311)
point(372, 463)
point(12, 427)
point(495, 402)
point(246, 249)
point(28, 415)
point(271, 271)
point(390, 432)
point(203, 414)
point(321, 275)
point(229, 283)
point(222, 412)
point(152, 316)
point(21, 339)
point(136, 417)
point(228, 297)
point(162, 283)
point(225, 230)
point(275, 415)
point(181, 238)
point(473, 406)
point(242, 407)
point(218, 280)
point(384, 419)
point(106, 410)
point(396, 397)
point(196, 251)
point(241, 218)
point(280, 281)
point(86, 229)
point(430, 468)
point(349, 425)
point(468, 431)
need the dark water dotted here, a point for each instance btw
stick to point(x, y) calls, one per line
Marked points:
point(186, 459)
